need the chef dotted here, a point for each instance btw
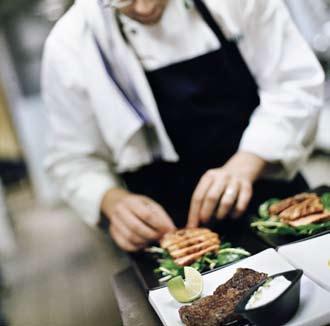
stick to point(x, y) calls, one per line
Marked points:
point(165, 113)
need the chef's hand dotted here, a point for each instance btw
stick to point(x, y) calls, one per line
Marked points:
point(134, 220)
point(225, 189)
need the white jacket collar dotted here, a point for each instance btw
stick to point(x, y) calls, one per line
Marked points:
point(102, 22)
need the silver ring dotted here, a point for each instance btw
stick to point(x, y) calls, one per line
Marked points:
point(230, 192)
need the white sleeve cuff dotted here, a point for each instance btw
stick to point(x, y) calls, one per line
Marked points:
point(88, 196)
point(275, 144)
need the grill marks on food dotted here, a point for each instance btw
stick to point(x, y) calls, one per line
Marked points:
point(188, 245)
point(311, 219)
point(219, 308)
point(175, 237)
point(190, 259)
point(307, 207)
point(280, 206)
point(302, 209)
point(193, 240)
point(191, 249)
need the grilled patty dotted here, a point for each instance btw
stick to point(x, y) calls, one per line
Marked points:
point(279, 207)
point(305, 208)
point(219, 308)
point(186, 246)
point(302, 209)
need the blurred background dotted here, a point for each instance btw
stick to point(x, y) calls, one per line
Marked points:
point(35, 227)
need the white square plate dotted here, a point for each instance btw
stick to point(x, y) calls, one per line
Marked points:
point(312, 256)
point(314, 306)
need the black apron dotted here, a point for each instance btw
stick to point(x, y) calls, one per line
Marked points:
point(205, 104)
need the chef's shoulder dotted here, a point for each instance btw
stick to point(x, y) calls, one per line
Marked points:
point(242, 11)
point(64, 46)
point(67, 33)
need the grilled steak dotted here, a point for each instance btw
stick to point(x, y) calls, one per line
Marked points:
point(188, 245)
point(219, 308)
point(212, 310)
point(242, 280)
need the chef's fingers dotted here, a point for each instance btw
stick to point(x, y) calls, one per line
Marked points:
point(134, 224)
point(211, 199)
point(197, 199)
point(121, 241)
point(151, 215)
point(162, 221)
point(228, 199)
point(244, 198)
point(120, 224)
point(139, 206)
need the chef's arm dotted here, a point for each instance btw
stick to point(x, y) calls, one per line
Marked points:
point(80, 162)
point(281, 132)
point(282, 129)
point(77, 160)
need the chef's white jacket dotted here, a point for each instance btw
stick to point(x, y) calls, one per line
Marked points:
point(94, 135)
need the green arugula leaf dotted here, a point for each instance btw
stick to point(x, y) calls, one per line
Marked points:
point(273, 227)
point(264, 207)
point(311, 229)
point(278, 228)
point(225, 245)
point(325, 199)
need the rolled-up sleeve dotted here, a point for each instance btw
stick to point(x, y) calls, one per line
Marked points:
point(78, 159)
point(290, 79)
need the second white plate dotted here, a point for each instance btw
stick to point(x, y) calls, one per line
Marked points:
point(313, 257)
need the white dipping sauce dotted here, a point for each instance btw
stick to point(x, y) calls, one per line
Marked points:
point(268, 292)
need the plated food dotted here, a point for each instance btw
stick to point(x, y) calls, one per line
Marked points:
point(219, 308)
point(302, 214)
point(302, 303)
point(199, 248)
point(249, 294)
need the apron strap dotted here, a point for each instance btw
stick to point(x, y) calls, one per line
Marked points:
point(135, 105)
point(209, 19)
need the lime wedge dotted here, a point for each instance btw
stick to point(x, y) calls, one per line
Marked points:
point(188, 290)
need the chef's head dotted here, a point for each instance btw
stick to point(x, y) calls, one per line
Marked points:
point(144, 11)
